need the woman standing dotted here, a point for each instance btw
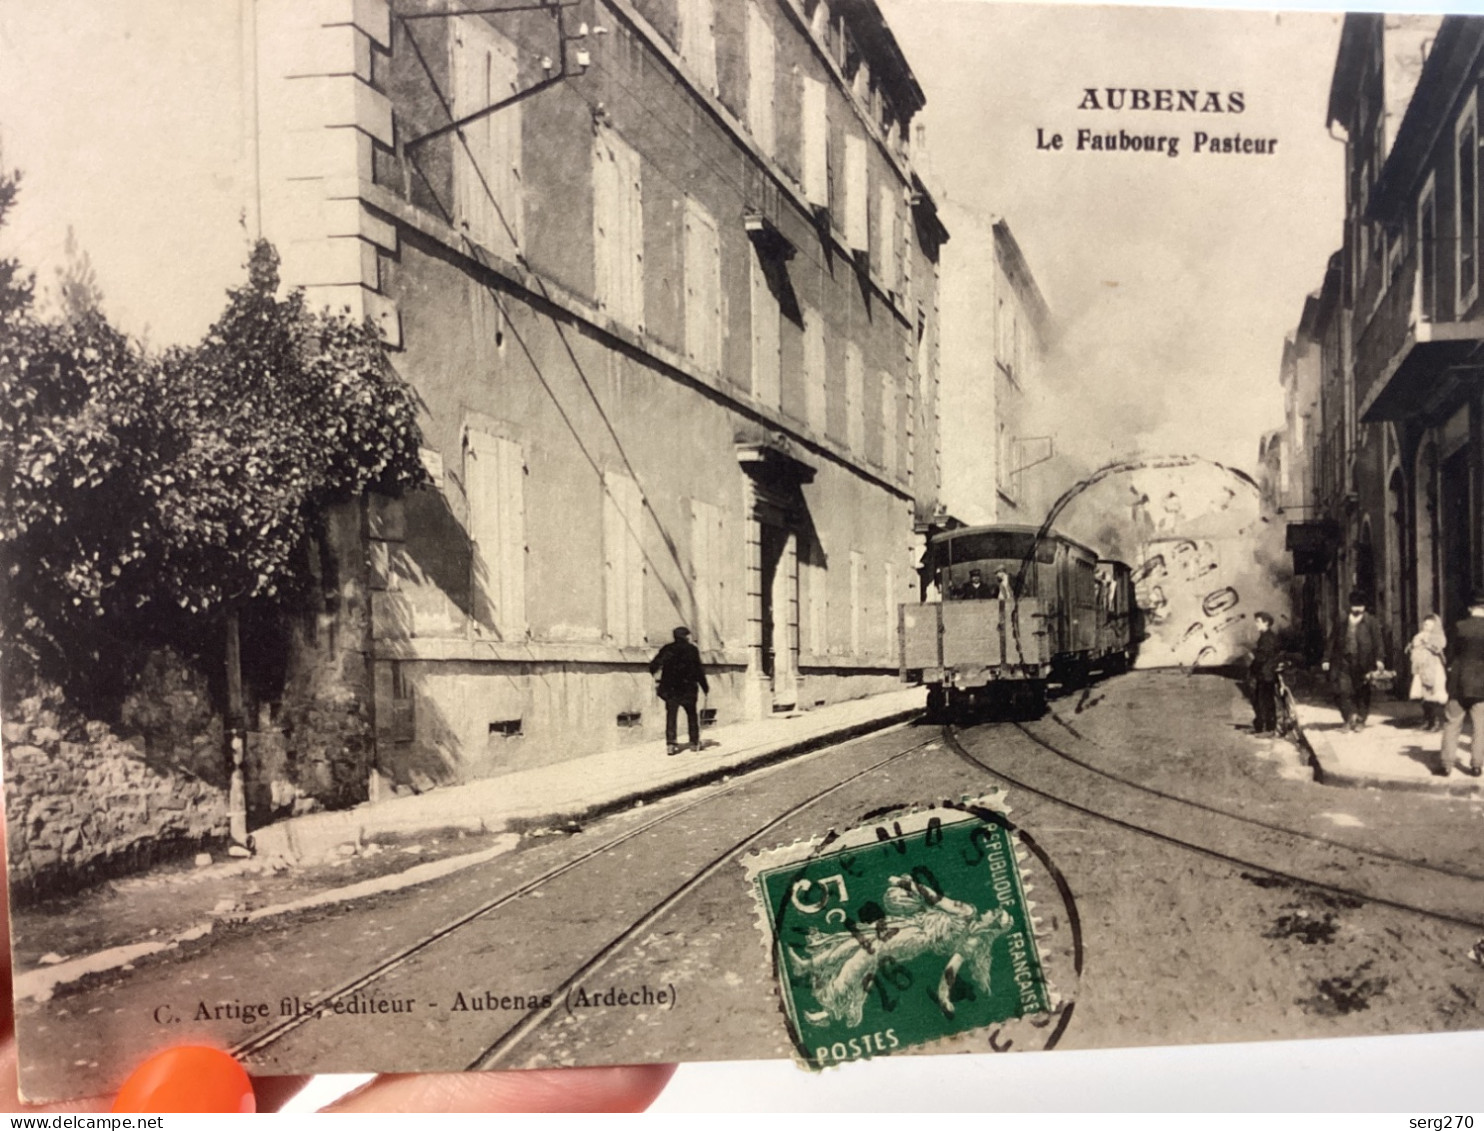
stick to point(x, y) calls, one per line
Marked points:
point(1429, 672)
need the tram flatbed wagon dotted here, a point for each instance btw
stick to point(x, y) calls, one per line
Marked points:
point(1019, 609)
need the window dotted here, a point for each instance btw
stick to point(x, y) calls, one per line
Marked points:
point(766, 363)
point(857, 576)
point(618, 229)
point(855, 400)
point(889, 424)
point(886, 237)
point(814, 370)
point(706, 558)
point(857, 194)
point(1427, 250)
point(1467, 173)
point(817, 580)
point(761, 62)
point(494, 475)
point(893, 598)
point(488, 202)
point(1003, 459)
point(703, 322)
point(698, 39)
point(814, 107)
point(623, 559)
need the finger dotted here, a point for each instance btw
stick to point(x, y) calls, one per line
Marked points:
point(630, 1088)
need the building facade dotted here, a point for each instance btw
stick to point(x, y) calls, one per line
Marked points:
point(998, 450)
point(1394, 506)
point(665, 284)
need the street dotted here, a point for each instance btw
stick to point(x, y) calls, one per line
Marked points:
point(1193, 882)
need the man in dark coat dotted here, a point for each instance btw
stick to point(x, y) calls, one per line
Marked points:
point(1466, 688)
point(1356, 648)
point(1264, 675)
point(681, 673)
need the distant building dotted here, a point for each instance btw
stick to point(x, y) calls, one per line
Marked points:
point(667, 286)
point(997, 331)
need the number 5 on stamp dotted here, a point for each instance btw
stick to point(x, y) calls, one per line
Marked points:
point(900, 933)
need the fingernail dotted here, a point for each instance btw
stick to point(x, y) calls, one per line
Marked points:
point(190, 1078)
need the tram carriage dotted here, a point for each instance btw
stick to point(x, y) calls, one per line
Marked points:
point(1044, 608)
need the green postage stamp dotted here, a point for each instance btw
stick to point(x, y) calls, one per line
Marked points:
point(905, 930)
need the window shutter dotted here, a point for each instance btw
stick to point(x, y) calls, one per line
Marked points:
point(814, 108)
point(857, 200)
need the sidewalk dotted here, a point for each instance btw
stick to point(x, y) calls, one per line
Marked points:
point(329, 858)
point(1392, 752)
point(583, 788)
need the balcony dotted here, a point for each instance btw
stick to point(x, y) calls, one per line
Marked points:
point(1405, 356)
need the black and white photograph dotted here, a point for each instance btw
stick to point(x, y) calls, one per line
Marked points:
point(568, 533)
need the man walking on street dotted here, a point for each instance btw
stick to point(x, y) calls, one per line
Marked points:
point(1355, 650)
point(681, 673)
point(1466, 689)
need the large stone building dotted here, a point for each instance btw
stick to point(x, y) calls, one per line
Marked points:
point(997, 333)
point(665, 282)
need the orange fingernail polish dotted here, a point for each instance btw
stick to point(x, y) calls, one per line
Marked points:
point(190, 1078)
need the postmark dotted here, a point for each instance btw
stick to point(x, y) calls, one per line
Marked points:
point(908, 930)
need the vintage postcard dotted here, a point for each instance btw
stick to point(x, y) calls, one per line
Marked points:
point(562, 532)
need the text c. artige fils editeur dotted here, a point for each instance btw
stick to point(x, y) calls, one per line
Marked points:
point(1123, 138)
point(371, 1006)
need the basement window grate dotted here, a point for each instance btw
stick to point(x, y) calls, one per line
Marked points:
point(506, 728)
point(629, 718)
point(708, 716)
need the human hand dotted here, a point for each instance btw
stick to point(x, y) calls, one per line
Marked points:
point(195, 1079)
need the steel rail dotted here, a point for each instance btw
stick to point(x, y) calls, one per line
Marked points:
point(517, 1032)
point(1285, 830)
point(277, 1032)
point(950, 737)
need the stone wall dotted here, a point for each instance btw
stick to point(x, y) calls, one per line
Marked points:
point(82, 804)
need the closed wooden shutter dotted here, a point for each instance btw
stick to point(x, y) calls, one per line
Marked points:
point(488, 195)
point(495, 478)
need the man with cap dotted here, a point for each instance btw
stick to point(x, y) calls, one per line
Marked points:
point(1355, 649)
point(681, 673)
point(1466, 688)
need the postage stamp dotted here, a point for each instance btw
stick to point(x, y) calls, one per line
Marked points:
point(901, 932)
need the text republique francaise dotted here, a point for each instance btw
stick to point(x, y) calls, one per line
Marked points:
point(1215, 138)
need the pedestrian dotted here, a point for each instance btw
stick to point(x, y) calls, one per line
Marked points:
point(681, 675)
point(1466, 688)
point(1264, 676)
point(1356, 649)
point(1429, 672)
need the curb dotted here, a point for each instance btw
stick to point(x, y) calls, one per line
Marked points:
point(1327, 771)
point(42, 982)
point(710, 774)
point(322, 832)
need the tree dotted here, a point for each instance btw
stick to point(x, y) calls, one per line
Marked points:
point(145, 497)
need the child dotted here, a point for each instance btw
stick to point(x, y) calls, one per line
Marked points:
point(1429, 673)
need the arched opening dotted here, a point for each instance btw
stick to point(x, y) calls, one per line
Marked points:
point(1365, 563)
point(1397, 587)
point(1425, 513)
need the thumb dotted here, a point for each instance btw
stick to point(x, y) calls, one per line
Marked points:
point(188, 1078)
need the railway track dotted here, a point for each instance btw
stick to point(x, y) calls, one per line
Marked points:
point(490, 1056)
point(1391, 874)
point(1041, 768)
point(1083, 764)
